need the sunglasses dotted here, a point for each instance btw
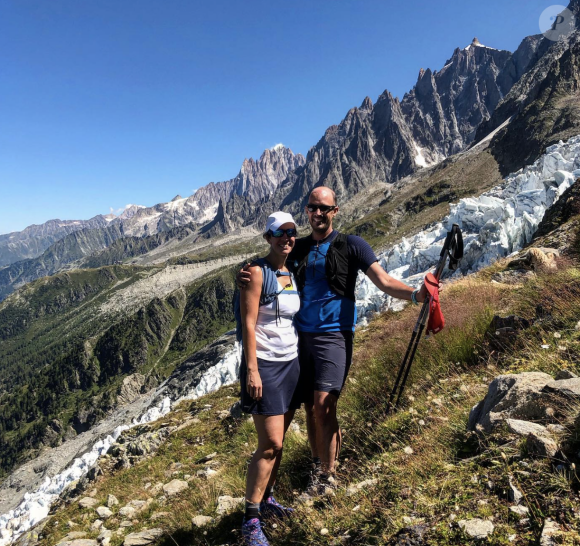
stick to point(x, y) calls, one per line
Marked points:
point(290, 232)
point(322, 208)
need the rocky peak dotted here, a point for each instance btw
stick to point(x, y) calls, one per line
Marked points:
point(367, 104)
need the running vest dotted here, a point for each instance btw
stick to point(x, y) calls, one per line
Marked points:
point(270, 291)
point(340, 273)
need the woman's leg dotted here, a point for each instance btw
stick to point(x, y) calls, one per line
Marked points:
point(271, 429)
point(288, 416)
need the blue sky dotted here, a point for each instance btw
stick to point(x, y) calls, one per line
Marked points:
point(105, 103)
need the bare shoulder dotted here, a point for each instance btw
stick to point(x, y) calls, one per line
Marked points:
point(256, 275)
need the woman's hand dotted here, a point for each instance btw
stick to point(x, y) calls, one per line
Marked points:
point(254, 384)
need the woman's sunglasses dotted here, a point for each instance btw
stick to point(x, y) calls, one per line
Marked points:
point(322, 208)
point(290, 232)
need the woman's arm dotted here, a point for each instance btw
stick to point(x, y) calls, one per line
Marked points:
point(249, 306)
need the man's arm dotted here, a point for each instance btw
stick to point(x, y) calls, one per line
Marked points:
point(391, 286)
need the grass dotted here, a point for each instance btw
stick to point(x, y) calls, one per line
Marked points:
point(447, 475)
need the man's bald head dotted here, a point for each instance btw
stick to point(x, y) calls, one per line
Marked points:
point(322, 194)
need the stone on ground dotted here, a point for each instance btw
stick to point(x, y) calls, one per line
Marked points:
point(565, 374)
point(104, 512)
point(127, 512)
point(87, 502)
point(478, 529)
point(143, 537)
point(541, 446)
point(549, 532)
point(519, 511)
point(523, 428)
point(175, 487)
point(227, 504)
point(570, 388)
point(78, 542)
point(514, 494)
point(201, 521)
point(355, 488)
point(511, 396)
point(112, 501)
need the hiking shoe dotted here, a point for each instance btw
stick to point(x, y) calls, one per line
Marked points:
point(321, 485)
point(271, 508)
point(252, 533)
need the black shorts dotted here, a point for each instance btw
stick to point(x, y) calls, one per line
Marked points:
point(280, 392)
point(325, 360)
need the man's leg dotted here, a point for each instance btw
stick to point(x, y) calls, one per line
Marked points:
point(311, 429)
point(327, 429)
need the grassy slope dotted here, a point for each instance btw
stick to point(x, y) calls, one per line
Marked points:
point(446, 477)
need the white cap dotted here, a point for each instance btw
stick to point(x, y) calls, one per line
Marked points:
point(277, 219)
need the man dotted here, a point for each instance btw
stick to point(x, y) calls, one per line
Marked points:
point(326, 264)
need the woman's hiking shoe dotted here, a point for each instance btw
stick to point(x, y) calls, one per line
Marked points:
point(271, 508)
point(252, 533)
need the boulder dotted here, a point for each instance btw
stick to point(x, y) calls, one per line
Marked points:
point(569, 388)
point(549, 532)
point(512, 396)
point(565, 374)
point(519, 511)
point(540, 445)
point(523, 428)
point(478, 529)
point(104, 512)
point(112, 501)
point(87, 502)
point(78, 542)
point(175, 487)
point(127, 512)
point(201, 521)
point(143, 538)
point(227, 504)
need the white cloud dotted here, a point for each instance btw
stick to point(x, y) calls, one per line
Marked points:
point(117, 212)
point(277, 146)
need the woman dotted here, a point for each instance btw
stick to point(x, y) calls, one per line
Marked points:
point(269, 372)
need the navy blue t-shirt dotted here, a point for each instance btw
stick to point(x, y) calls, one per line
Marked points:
point(322, 309)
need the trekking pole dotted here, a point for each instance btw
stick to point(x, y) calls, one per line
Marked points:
point(452, 248)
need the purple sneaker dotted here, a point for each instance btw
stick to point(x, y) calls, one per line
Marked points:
point(253, 534)
point(271, 508)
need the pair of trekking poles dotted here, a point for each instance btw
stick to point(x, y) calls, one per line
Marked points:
point(452, 249)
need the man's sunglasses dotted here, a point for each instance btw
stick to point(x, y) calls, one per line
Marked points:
point(322, 208)
point(290, 232)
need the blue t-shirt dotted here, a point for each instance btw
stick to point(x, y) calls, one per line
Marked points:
point(322, 309)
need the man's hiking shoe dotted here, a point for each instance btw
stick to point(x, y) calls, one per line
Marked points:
point(252, 533)
point(320, 486)
point(271, 508)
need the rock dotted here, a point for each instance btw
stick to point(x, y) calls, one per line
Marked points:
point(206, 473)
point(355, 488)
point(478, 529)
point(514, 494)
point(127, 512)
point(227, 504)
point(556, 429)
point(523, 428)
point(201, 521)
point(175, 487)
point(551, 529)
point(139, 505)
point(519, 511)
point(570, 388)
point(143, 538)
point(159, 515)
point(236, 410)
point(541, 446)
point(74, 535)
point(78, 542)
point(223, 414)
point(112, 501)
point(565, 374)
point(87, 502)
point(104, 512)
point(513, 396)
point(206, 458)
point(130, 389)
point(104, 538)
point(513, 276)
point(126, 523)
point(97, 524)
point(412, 536)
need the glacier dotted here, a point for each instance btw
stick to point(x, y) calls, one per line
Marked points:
point(496, 224)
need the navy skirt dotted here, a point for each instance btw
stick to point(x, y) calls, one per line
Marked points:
point(280, 382)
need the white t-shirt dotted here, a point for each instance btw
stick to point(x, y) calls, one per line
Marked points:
point(276, 337)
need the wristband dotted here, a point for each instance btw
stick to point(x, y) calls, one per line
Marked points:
point(414, 296)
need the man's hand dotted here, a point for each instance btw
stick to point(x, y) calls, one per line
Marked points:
point(243, 277)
